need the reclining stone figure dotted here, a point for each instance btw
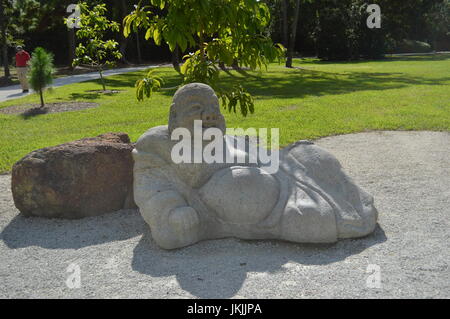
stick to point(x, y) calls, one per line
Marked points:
point(309, 199)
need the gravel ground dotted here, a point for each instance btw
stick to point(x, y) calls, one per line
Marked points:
point(407, 172)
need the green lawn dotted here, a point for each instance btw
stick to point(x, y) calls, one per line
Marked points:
point(319, 99)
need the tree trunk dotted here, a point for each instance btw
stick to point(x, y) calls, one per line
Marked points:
point(176, 59)
point(317, 27)
point(71, 57)
point(3, 26)
point(123, 50)
point(138, 48)
point(202, 45)
point(435, 45)
point(235, 65)
point(290, 51)
point(5, 58)
point(284, 9)
point(123, 39)
point(100, 71)
point(41, 95)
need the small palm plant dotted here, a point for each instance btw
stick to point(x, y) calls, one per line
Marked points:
point(41, 71)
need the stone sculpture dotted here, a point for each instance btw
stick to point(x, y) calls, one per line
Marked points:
point(309, 199)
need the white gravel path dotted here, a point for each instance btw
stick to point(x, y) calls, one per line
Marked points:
point(407, 172)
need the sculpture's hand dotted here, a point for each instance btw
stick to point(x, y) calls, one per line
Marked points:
point(172, 222)
point(185, 225)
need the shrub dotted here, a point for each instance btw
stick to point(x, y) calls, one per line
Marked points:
point(41, 71)
point(411, 46)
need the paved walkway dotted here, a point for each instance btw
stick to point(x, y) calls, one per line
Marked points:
point(415, 54)
point(14, 91)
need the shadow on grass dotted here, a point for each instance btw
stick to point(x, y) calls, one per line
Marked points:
point(126, 81)
point(84, 96)
point(303, 82)
point(387, 58)
point(129, 80)
point(294, 83)
point(34, 112)
point(93, 95)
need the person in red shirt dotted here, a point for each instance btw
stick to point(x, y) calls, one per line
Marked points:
point(22, 58)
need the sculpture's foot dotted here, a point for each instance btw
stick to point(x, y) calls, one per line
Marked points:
point(182, 228)
point(364, 223)
point(308, 218)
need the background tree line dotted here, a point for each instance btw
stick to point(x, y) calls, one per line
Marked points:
point(336, 29)
point(329, 29)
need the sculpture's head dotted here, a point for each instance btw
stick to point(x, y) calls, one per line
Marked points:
point(195, 101)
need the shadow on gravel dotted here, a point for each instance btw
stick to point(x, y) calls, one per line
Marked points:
point(72, 234)
point(218, 268)
point(209, 269)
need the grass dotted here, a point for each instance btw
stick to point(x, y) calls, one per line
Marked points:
point(317, 99)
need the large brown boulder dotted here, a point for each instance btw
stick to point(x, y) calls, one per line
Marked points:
point(87, 177)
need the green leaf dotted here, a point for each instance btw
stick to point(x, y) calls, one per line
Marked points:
point(148, 34)
point(157, 36)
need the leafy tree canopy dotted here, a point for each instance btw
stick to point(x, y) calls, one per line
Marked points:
point(231, 32)
point(95, 51)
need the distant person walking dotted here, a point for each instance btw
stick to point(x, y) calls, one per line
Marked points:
point(22, 58)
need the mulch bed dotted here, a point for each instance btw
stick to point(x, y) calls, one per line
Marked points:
point(28, 110)
point(104, 91)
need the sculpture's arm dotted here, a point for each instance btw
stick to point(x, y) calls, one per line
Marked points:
point(173, 223)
